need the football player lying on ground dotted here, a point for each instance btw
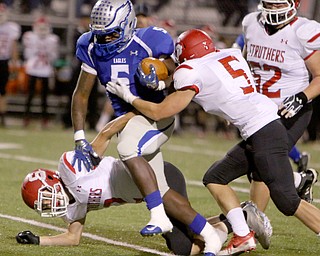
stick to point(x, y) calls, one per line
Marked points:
point(58, 194)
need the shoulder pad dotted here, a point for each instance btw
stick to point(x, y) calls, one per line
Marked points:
point(308, 33)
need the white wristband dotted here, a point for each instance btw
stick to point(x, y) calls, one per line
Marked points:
point(79, 135)
point(161, 86)
point(130, 98)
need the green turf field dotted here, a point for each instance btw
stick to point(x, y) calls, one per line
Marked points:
point(115, 231)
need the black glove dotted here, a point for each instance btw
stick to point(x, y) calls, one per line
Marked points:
point(291, 105)
point(85, 153)
point(27, 237)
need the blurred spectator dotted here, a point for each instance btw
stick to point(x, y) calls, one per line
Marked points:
point(40, 49)
point(83, 7)
point(9, 34)
point(231, 8)
point(170, 26)
point(160, 4)
point(29, 6)
point(143, 14)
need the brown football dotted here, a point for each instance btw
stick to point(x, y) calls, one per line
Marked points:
point(161, 68)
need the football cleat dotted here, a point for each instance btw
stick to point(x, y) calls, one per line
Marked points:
point(239, 244)
point(259, 223)
point(303, 162)
point(308, 179)
point(157, 229)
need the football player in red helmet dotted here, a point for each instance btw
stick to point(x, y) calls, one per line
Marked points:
point(42, 190)
point(70, 194)
point(278, 12)
point(291, 80)
point(221, 82)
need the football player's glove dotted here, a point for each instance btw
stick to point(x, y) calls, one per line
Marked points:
point(151, 81)
point(85, 154)
point(291, 105)
point(27, 237)
point(121, 90)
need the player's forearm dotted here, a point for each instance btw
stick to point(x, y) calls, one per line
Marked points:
point(313, 90)
point(71, 237)
point(65, 239)
point(152, 110)
point(80, 99)
point(101, 141)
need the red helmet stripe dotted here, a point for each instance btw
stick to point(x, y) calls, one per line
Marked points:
point(67, 163)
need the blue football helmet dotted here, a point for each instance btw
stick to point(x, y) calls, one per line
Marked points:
point(115, 19)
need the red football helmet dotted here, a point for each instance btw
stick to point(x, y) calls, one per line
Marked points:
point(42, 191)
point(278, 16)
point(193, 43)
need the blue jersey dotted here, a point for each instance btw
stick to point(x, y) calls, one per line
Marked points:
point(146, 42)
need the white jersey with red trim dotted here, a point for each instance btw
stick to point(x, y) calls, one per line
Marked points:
point(40, 53)
point(224, 86)
point(278, 60)
point(9, 32)
point(109, 184)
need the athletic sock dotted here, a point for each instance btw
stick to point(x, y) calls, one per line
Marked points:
point(295, 154)
point(239, 225)
point(154, 199)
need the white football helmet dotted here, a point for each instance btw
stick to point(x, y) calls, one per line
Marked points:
point(109, 17)
point(42, 191)
point(279, 16)
point(3, 13)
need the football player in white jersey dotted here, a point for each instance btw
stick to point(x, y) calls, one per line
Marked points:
point(41, 49)
point(9, 34)
point(77, 192)
point(282, 50)
point(221, 82)
point(71, 194)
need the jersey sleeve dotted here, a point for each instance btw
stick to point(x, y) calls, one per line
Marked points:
point(309, 36)
point(66, 170)
point(158, 40)
point(83, 49)
point(185, 78)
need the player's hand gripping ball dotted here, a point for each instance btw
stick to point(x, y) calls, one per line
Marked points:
point(160, 67)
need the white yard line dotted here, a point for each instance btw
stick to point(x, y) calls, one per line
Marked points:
point(88, 235)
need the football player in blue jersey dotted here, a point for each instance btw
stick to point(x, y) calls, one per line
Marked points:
point(57, 194)
point(112, 51)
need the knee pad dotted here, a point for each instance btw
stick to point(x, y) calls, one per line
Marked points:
point(126, 151)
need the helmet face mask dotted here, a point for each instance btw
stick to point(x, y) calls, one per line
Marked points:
point(278, 12)
point(109, 17)
point(42, 191)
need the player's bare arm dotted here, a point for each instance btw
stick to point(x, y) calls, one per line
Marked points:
point(171, 105)
point(80, 99)
point(101, 141)
point(313, 65)
point(71, 237)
